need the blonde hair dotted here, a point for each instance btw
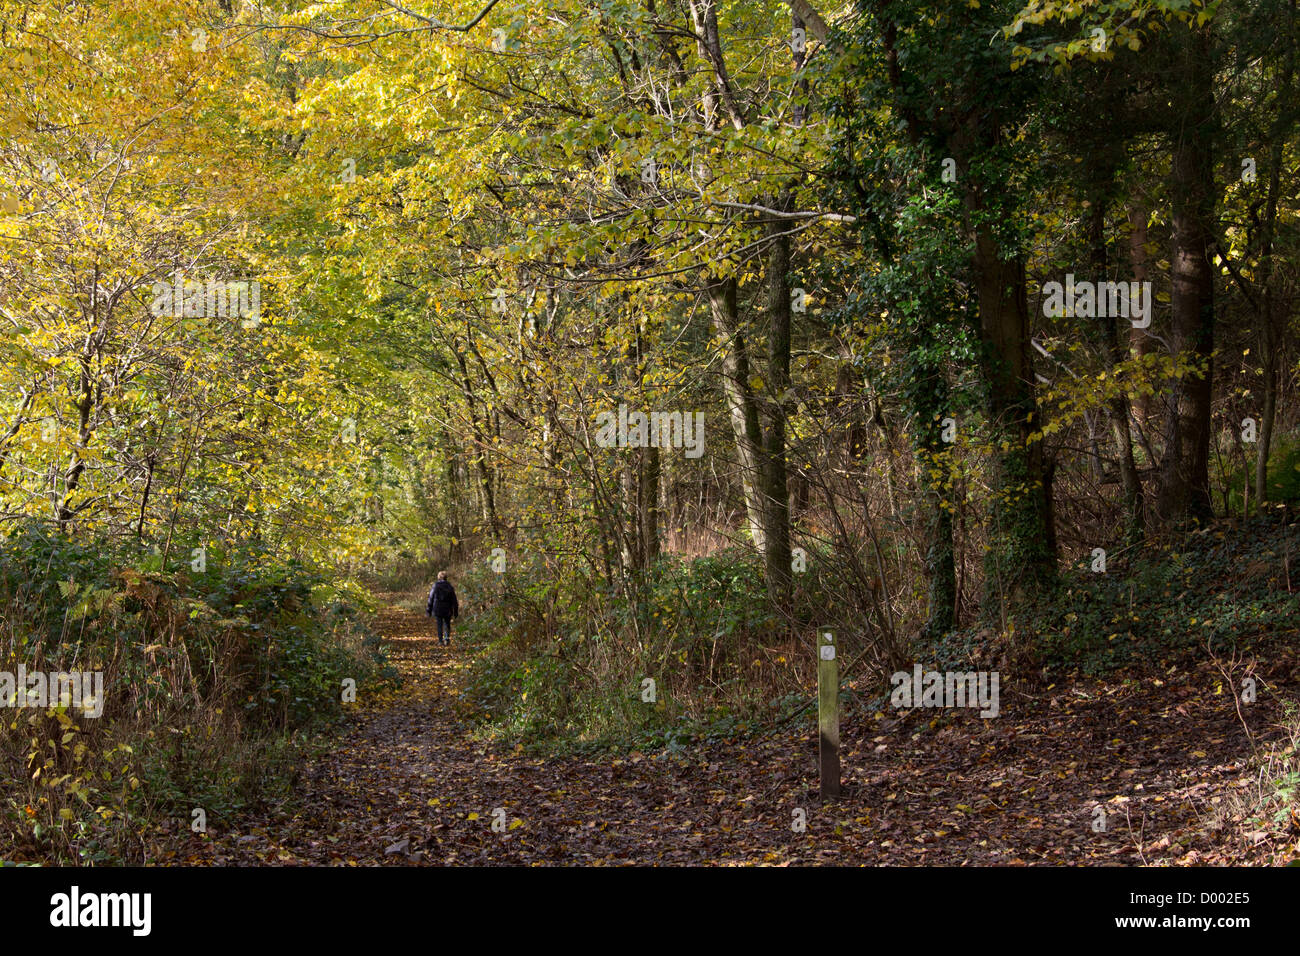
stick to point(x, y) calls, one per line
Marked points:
point(442, 575)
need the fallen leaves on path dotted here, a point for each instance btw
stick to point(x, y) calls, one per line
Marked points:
point(1153, 761)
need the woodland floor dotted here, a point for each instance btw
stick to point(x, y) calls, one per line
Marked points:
point(1164, 755)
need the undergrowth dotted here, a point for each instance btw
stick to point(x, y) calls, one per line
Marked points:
point(217, 666)
point(564, 663)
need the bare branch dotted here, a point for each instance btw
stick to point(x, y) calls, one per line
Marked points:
point(779, 214)
point(439, 25)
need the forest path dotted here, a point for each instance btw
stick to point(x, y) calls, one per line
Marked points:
point(408, 784)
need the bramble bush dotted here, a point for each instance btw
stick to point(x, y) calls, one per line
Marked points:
point(215, 673)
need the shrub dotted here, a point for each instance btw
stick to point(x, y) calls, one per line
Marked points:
point(213, 673)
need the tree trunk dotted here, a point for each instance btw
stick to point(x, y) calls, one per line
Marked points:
point(1139, 340)
point(1022, 553)
point(1272, 330)
point(487, 497)
point(776, 493)
point(1117, 409)
point(649, 506)
point(940, 555)
point(1185, 468)
point(741, 406)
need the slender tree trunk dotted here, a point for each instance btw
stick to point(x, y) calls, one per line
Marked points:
point(1117, 409)
point(77, 464)
point(650, 475)
point(1268, 414)
point(704, 19)
point(1271, 332)
point(1139, 340)
point(776, 493)
point(1185, 474)
point(144, 498)
point(933, 458)
point(741, 406)
point(1022, 553)
point(19, 421)
point(487, 497)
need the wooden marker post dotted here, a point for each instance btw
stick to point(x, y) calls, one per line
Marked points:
point(828, 713)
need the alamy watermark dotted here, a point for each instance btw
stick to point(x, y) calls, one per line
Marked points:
point(75, 908)
point(1099, 300)
point(923, 688)
point(41, 689)
point(208, 299)
point(636, 429)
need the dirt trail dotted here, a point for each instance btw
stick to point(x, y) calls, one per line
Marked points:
point(407, 785)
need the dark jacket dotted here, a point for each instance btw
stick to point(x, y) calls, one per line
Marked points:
point(442, 600)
